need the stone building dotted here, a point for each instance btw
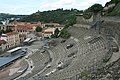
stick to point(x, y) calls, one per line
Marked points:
point(12, 39)
point(3, 45)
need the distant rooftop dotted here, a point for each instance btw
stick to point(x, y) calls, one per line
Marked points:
point(49, 30)
point(10, 33)
point(12, 50)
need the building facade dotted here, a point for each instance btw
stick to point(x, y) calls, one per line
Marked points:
point(12, 39)
point(3, 45)
point(22, 37)
point(48, 32)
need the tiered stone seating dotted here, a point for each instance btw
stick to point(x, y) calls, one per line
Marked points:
point(38, 59)
point(89, 56)
point(94, 53)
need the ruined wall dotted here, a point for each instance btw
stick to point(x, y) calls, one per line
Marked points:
point(87, 23)
point(112, 28)
point(81, 20)
point(113, 19)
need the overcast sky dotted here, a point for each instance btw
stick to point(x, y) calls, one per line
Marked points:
point(31, 6)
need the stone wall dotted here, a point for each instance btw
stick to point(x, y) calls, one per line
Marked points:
point(81, 20)
point(113, 19)
point(111, 28)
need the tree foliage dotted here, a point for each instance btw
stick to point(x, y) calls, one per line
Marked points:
point(115, 10)
point(112, 1)
point(8, 30)
point(8, 16)
point(0, 32)
point(5, 31)
point(65, 34)
point(95, 8)
point(59, 16)
point(38, 29)
point(1, 22)
point(87, 15)
point(56, 33)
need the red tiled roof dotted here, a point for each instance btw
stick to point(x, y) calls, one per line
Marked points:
point(21, 28)
point(48, 30)
point(2, 42)
point(27, 26)
point(11, 33)
point(32, 25)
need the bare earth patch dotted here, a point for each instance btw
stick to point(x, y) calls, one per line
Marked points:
point(10, 70)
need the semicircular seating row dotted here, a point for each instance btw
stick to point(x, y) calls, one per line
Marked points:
point(89, 56)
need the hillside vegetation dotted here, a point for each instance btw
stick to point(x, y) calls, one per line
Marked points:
point(112, 1)
point(5, 16)
point(59, 16)
point(113, 11)
point(95, 8)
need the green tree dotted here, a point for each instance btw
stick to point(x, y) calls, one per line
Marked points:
point(0, 32)
point(115, 1)
point(8, 30)
point(1, 22)
point(95, 8)
point(38, 29)
point(56, 32)
point(58, 16)
point(65, 34)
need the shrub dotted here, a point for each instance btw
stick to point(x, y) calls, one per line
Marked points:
point(38, 29)
point(65, 34)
